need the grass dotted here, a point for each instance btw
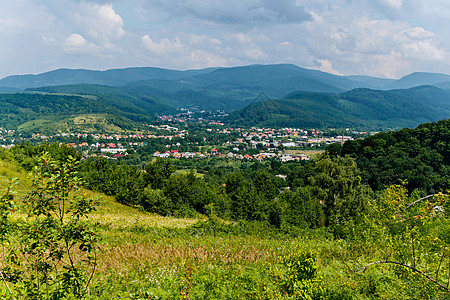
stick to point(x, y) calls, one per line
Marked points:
point(310, 153)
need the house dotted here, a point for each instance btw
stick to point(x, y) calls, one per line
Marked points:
point(188, 155)
point(289, 144)
point(286, 158)
point(113, 151)
point(303, 157)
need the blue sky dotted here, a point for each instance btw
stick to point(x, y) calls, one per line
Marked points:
point(385, 38)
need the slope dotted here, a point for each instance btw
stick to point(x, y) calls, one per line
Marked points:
point(116, 97)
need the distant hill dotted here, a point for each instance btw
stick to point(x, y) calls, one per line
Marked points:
point(372, 82)
point(417, 79)
point(113, 77)
point(227, 89)
point(277, 80)
point(315, 98)
point(363, 108)
point(5, 89)
point(234, 88)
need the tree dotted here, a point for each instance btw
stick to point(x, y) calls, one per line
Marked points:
point(158, 172)
point(337, 186)
point(57, 248)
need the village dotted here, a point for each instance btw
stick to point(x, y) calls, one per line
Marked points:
point(178, 140)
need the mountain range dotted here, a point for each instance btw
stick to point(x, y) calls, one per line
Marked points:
point(291, 95)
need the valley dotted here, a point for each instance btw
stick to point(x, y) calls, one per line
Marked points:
point(253, 182)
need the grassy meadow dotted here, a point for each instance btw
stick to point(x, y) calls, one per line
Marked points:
point(147, 256)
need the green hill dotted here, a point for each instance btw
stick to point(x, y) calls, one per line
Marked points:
point(364, 108)
point(43, 112)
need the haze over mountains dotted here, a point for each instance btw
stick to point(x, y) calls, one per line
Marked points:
point(304, 97)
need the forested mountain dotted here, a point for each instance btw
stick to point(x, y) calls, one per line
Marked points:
point(116, 97)
point(364, 108)
point(314, 98)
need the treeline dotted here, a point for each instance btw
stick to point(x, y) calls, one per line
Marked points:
point(331, 196)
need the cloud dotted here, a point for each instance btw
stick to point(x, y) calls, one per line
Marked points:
point(75, 40)
point(100, 22)
point(376, 37)
point(327, 66)
point(195, 51)
point(235, 12)
point(76, 44)
point(164, 46)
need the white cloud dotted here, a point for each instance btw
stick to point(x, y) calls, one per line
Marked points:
point(75, 40)
point(11, 23)
point(164, 46)
point(389, 65)
point(393, 3)
point(195, 51)
point(376, 37)
point(327, 66)
point(418, 33)
point(233, 12)
point(100, 22)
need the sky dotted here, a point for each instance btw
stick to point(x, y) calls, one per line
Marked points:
point(383, 38)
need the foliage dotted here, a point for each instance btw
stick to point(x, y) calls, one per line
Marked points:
point(419, 155)
point(412, 233)
point(298, 277)
point(55, 255)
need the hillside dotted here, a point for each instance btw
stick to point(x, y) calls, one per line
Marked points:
point(364, 108)
point(116, 97)
point(314, 98)
point(42, 112)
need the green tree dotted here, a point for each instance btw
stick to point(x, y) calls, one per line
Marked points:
point(338, 187)
point(57, 248)
point(158, 172)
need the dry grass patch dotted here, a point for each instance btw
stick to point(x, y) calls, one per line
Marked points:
point(115, 215)
point(128, 255)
